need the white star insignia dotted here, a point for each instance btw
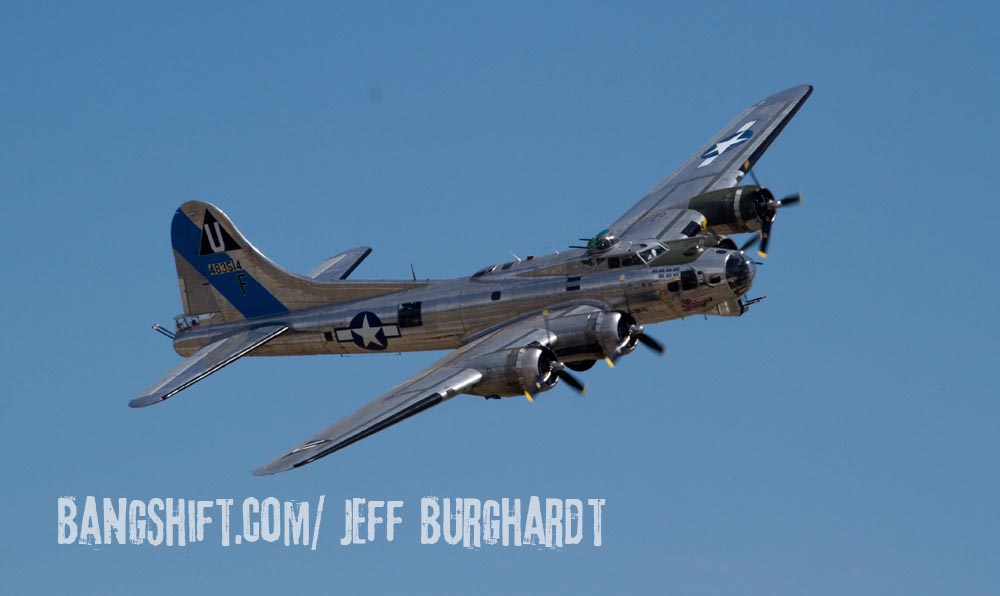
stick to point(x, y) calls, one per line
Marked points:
point(722, 146)
point(369, 334)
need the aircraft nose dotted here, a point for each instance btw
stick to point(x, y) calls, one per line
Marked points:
point(740, 271)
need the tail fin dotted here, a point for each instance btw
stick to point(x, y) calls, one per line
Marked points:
point(223, 277)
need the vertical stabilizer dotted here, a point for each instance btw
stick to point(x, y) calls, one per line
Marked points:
point(223, 277)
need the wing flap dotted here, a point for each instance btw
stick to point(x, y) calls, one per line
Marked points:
point(206, 361)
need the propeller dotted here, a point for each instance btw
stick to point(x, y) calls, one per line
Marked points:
point(637, 332)
point(548, 364)
point(767, 210)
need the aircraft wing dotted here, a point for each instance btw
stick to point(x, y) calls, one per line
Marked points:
point(454, 374)
point(206, 361)
point(720, 163)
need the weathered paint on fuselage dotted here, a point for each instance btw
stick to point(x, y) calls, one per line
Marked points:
point(452, 310)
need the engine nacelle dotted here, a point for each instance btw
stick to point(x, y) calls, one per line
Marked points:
point(531, 369)
point(735, 210)
point(593, 336)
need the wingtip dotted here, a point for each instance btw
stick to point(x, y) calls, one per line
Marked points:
point(799, 92)
point(143, 401)
point(271, 468)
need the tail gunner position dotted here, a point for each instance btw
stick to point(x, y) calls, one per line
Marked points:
point(514, 328)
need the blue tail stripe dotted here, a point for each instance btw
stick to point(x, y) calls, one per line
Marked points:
point(240, 288)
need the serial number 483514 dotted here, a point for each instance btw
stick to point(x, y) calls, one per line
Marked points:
point(224, 267)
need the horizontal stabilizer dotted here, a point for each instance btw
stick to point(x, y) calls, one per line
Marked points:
point(340, 266)
point(206, 361)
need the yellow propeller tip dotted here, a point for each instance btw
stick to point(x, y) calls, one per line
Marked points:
point(528, 395)
point(762, 254)
point(610, 363)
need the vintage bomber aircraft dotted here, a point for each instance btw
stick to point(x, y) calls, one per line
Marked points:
point(515, 327)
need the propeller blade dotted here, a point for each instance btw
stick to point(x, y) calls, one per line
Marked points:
point(572, 382)
point(528, 395)
point(790, 200)
point(651, 343)
point(765, 235)
point(614, 357)
point(639, 333)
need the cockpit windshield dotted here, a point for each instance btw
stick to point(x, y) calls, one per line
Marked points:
point(484, 271)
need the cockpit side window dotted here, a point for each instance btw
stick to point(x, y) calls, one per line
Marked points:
point(624, 261)
point(651, 253)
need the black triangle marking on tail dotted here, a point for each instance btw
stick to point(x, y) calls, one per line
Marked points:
point(214, 237)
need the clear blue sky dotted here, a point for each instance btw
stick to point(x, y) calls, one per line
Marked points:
point(841, 438)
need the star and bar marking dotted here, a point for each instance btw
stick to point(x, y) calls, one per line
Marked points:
point(367, 332)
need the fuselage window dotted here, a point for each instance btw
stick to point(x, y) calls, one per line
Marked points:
point(689, 279)
point(409, 315)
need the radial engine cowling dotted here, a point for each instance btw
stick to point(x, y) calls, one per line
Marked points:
point(593, 336)
point(532, 369)
point(735, 210)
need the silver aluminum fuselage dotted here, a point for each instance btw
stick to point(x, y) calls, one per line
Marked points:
point(451, 311)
